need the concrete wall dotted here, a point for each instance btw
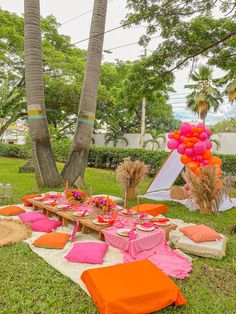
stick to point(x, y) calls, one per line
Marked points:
point(227, 142)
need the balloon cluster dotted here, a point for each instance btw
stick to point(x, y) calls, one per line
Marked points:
point(192, 142)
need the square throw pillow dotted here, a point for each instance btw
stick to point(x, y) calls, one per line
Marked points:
point(87, 252)
point(200, 233)
point(31, 217)
point(45, 225)
point(52, 240)
point(25, 198)
point(11, 211)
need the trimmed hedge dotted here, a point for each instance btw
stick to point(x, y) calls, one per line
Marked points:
point(12, 150)
point(109, 157)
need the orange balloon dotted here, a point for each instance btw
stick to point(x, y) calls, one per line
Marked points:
point(185, 159)
point(189, 145)
point(215, 161)
point(219, 173)
point(195, 140)
point(186, 140)
point(207, 155)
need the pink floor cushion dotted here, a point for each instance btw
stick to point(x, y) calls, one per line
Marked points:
point(45, 225)
point(31, 217)
point(87, 252)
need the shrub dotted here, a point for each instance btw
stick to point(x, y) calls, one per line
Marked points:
point(110, 157)
point(12, 150)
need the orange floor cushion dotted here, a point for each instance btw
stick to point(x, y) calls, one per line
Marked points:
point(25, 198)
point(11, 211)
point(52, 240)
point(151, 209)
point(132, 288)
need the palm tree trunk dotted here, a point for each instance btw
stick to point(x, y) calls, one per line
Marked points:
point(45, 166)
point(78, 157)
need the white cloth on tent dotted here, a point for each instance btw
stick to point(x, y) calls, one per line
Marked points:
point(168, 173)
point(165, 196)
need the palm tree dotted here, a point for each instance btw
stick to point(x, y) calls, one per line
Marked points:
point(114, 135)
point(44, 163)
point(230, 80)
point(155, 139)
point(77, 160)
point(205, 95)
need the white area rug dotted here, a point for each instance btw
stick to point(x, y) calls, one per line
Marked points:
point(55, 258)
point(165, 196)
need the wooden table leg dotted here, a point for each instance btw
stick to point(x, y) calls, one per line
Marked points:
point(64, 222)
point(85, 229)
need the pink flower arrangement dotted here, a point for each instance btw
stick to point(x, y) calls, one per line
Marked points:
point(76, 195)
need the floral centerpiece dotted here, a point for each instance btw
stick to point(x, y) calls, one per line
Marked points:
point(76, 196)
point(103, 203)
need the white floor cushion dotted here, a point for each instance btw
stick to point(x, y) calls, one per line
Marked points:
point(211, 249)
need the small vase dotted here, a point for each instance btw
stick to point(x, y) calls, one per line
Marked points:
point(131, 193)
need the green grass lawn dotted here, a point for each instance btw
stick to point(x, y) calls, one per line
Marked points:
point(29, 285)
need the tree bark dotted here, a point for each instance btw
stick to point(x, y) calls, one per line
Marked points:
point(45, 167)
point(78, 157)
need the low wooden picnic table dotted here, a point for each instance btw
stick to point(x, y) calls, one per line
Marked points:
point(86, 223)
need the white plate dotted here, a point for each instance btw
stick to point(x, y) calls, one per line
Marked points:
point(39, 198)
point(140, 227)
point(63, 206)
point(167, 223)
point(148, 217)
point(124, 232)
point(95, 221)
point(128, 213)
point(49, 202)
point(78, 214)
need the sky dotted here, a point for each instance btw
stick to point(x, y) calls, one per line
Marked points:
point(78, 29)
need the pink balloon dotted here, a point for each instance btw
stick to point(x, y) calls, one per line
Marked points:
point(185, 128)
point(172, 144)
point(208, 144)
point(205, 162)
point(201, 126)
point(181, 138)
point(170, 135)
point(181, 149)
point(199, 158)
point(199, 148)
point(189, 152)
point(194, 158)
point(203, 136)
point(208, 132)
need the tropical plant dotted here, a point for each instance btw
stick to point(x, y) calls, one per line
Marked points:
point(78, 157)
point(155, 139)
point(205, 95)
point(228, 125)
point(45, 166)
point(230, 80)
point(114, 136)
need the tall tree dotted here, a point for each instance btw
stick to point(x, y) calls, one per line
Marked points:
point(77, 160)
point(45, 166)
point(205, 95)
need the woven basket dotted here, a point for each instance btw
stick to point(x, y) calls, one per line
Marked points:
point(178, 193)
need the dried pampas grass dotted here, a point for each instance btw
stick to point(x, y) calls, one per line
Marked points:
point(131, 173)
point(207, 190)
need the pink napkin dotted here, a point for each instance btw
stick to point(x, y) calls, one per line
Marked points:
point(132, 234)
point(143, 215)
point(147, 224)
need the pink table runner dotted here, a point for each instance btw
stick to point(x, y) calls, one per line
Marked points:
point(152, 246)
